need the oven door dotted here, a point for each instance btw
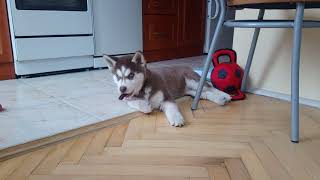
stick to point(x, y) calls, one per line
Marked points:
point(51, 17)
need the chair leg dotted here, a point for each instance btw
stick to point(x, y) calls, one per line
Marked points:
point(210, 53)
point(251, 53)
point(295, 72)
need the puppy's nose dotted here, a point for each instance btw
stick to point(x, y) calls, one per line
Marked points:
point(123, 89)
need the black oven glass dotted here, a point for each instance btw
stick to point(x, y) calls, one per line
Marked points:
point(52, 5)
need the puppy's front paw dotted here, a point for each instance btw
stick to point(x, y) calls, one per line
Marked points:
point(176, 120)
point(223, 98)
point(173, 114)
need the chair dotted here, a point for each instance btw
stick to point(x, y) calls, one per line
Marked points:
point(297, 24)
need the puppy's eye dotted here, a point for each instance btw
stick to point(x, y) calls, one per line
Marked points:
point(131, 76)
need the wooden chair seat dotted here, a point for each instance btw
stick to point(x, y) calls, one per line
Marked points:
point(272, 4)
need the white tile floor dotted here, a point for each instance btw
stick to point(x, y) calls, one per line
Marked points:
point(44, 106)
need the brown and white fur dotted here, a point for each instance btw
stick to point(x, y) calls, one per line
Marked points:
point(146, 89)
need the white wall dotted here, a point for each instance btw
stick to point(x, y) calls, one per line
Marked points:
point(272, 61)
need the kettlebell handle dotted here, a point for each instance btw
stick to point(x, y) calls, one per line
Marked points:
point(224, 52)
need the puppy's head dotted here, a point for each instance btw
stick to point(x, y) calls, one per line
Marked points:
point(128, 73)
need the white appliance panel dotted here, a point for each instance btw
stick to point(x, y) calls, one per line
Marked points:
point(43, 23)
point(53, 47)
point(50, 65)
point(117, 26)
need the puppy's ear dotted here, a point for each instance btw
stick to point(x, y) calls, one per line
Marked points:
point(138, 58)
point(110, 61)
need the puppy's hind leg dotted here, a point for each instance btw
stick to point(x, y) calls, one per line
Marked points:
point(171, 110)
point(215, 95)
point(210, 93)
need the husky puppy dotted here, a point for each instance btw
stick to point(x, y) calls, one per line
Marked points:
point(146, 89)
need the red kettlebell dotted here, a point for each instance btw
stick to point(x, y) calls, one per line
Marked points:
point(227, 76)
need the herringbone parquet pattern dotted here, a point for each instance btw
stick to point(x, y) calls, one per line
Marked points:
point(243, 140)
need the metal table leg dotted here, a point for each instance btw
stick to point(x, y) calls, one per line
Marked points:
point(295, 73)
point(251, 53)
point(211, 51)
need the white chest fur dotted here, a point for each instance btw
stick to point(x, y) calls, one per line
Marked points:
point(156, 99)
point(149, 102)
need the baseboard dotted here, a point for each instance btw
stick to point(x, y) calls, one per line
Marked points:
point(286, 97)
point(52, 65)
point(174, 53)
point(99, 62)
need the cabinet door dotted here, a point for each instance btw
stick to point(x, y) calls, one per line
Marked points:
point(160, 32)
point(5, 46)
point(160, 7)
point(173, 28)
point(6, 62)
point(191, 23)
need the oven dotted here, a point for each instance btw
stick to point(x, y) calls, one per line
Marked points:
point(51, 35)
point(51, 17)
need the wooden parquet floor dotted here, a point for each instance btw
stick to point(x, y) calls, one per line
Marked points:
point(241, 141)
